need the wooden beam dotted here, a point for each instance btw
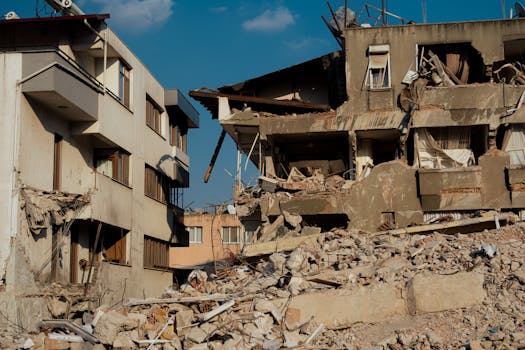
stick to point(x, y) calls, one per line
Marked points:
point(214, 157)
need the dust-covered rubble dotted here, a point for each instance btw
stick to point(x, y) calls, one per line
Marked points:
point(345, 290)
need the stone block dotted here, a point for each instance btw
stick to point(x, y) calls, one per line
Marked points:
point(342, 308)
point(432, 293)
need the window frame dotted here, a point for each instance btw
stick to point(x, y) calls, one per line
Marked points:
point(378, 51)
point(192, 230)
point(120, 164)
point(156, 253)
point(159, 187)
point(229, 236)
point(124, 83)
point(177, 137)
point(153, 115)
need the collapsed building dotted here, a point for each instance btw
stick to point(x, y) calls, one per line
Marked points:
point(409, 124)
point(95, 162)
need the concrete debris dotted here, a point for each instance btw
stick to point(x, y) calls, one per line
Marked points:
point(47, 209)
point(345, 289)
point(197, 278)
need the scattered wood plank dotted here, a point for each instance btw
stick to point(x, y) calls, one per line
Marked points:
point(209, 315)
point(279, 245)
point(69, 325)
point(197, 299)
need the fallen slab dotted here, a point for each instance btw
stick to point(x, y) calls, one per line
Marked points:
point(432, 293)
point(338, 309)
point(279, 245)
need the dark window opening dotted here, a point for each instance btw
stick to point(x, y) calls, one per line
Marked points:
point(328, 152)
point(385, 151)
point(111, 247)
point(326, 221)
point(57, 155)
point(462, 60)
point(512, 69)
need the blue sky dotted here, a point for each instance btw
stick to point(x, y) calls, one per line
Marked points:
point(192, 44)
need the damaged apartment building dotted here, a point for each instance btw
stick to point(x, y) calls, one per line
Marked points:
point(407, 125)
point(94, 162)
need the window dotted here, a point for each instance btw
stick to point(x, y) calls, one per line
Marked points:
point(153, 116)
point(114, 244)
point(378, 66)
point(113, 163)
point(195, 234)
point(56, 161)
point(230, 234)
point(177, 136)
point(156, 253)
point(124, 84)
point(158, 186)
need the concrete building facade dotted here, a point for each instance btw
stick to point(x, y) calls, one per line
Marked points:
point(427, 126)
point(95, 160)
point(212, 237)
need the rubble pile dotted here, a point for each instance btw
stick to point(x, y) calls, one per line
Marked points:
point(345, 289)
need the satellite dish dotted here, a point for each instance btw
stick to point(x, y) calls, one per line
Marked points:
point(231, 209)
point(11, 15)
point(520, 10)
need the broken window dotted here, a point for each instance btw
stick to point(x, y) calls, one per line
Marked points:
point(124, 84)
point(195, 234)
point(177, 136)
point(451, 64)
point(113, 244)
point(378, 66)
point(448, 147)
point(514, 144)
point(156, 253)
point(512, 69)
point(375, 147)
point(230, 234)
point(153, 115)
point(113, 163)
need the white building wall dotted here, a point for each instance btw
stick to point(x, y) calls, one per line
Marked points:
point(10, 73)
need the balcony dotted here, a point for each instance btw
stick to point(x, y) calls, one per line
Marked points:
point(58, 83)
point(450, 189)
point(111, 202)
point(178, 106)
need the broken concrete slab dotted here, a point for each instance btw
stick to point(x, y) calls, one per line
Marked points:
point(110, 324)
point(280, 245)
point(342, 308)
point(196, 335)
point(293, 220)
point(183, 319)
point(432, 293)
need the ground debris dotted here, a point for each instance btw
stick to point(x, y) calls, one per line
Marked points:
point(345, 289)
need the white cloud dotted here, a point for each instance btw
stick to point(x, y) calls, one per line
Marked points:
point(304, 43)
point(137, 15)
point(219, 9)
point(270, 20)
